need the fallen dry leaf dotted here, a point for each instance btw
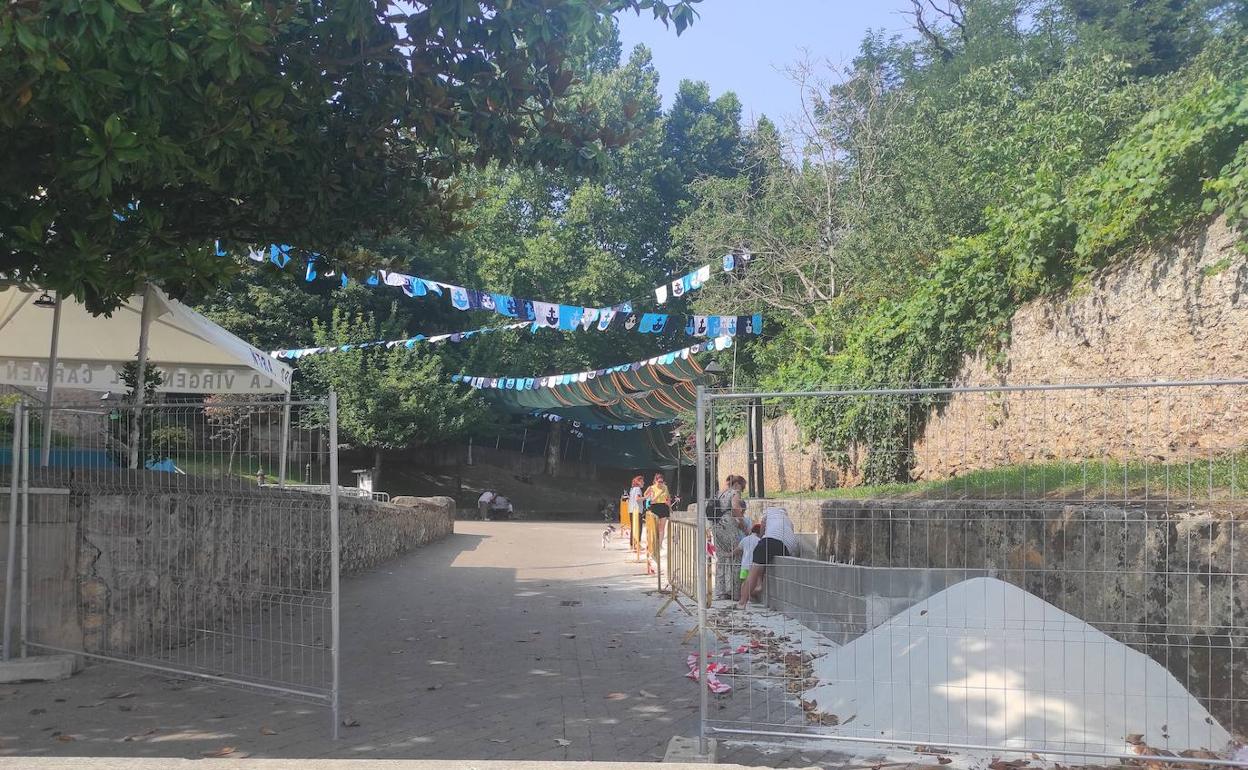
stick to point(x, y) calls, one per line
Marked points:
point(350, 723)
point(569, 636)
point(97, 704)
point(224, 751)
point(65, 738)
point(430, 687)
point(267, 731)
point(499, 740)
point(37, 712)
point(939, 760)
point(121, 695)
point(617, 696)
point(648, 694)
point(562, 742)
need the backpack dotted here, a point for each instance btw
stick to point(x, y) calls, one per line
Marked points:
point(715, 508)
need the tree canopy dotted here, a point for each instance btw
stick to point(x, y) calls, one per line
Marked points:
point(138, 133)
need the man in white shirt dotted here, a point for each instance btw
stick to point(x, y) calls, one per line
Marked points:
point(483, 504)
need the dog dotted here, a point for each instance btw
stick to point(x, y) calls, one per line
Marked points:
point(606, 536)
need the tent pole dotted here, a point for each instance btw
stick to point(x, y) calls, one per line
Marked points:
point(140, 392)
point(282, 453)
point(45, 454)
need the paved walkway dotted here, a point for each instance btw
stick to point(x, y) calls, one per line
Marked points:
point(508, 640)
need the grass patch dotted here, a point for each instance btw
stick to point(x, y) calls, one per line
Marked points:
point(244, 468)
point(1217, 267)
point(1218, 478)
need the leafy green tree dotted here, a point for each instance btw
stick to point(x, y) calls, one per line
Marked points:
point(388, 398)
point(1153, 36)
point(134, 133)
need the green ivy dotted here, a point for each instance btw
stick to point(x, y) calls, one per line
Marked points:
point(1185, 158)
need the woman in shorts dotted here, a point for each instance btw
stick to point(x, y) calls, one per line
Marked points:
point(660, 499)
point(778, 539)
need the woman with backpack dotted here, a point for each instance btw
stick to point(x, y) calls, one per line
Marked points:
point(725, 516)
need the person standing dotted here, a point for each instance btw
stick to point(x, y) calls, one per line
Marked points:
point(634, 495)
point(726, 519)
point(660, 499)
point(778, 539)
point(483, 504)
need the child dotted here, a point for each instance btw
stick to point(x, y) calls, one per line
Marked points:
point(746, 549)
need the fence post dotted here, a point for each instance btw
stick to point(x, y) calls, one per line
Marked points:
point(334, 555)
point(10, 562)
point(282, 451)
point(700, 550)
point(750, 488)
point(25, 611)
point(759, 453)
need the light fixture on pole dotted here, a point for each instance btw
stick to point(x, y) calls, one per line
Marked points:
point(45, 300)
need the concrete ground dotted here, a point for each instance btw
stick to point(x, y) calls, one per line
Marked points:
point(507, 640)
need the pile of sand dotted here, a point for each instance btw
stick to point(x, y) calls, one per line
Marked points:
point(985, 662)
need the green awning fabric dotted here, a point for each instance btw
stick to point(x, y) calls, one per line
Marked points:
point(636, 450)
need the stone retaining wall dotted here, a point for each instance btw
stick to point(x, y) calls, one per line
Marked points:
point(1177, 311)
point(122, 567)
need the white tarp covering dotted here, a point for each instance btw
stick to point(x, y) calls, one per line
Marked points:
point(194, 354)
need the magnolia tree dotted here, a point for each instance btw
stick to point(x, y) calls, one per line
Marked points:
point(136, 134)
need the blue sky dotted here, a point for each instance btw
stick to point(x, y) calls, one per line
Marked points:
point(743, 45)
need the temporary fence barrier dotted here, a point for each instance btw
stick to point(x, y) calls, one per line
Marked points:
point(683, 552)
point(1047, 569)
point(653, 547)
point(152, 536)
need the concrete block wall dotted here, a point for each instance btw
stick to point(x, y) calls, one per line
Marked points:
point(1160, 577)
point(844, 601)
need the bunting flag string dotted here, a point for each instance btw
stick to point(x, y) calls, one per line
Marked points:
point(547, 314)
point(554, 380)
point(649, 323)
point(550, 314)
point(408, 342)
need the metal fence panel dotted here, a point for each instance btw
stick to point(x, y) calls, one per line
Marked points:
point(1034, 569)
point(182, 537)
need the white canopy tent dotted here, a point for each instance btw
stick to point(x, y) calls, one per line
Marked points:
point(48, 343)
point(194, 354)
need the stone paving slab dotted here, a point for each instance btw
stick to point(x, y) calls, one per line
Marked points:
point(506, 641)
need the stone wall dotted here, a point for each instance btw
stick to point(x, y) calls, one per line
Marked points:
point(1178, 311)
point(790, 464)
point(1161, 579)
point(122, 568)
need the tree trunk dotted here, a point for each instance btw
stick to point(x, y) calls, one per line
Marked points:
point(554, 449)
point(376, 467)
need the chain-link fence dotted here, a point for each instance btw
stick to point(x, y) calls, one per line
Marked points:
point(1053, 569)
point(198, 539)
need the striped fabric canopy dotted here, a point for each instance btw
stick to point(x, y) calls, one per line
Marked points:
point(647, 393)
